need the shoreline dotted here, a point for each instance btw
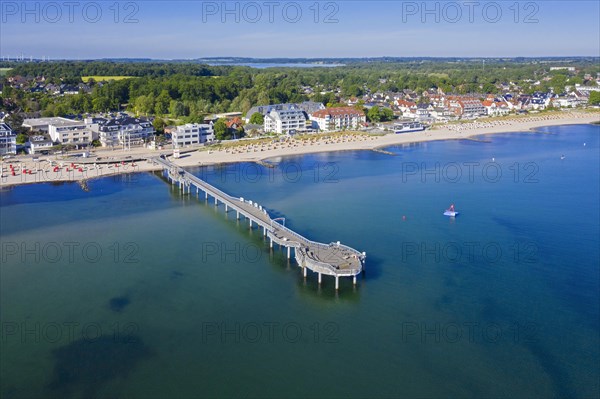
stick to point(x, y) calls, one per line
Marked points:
point(342, 142)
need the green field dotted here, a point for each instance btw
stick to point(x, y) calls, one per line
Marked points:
point(105, 78)
point(4, 71)
point(438, 75)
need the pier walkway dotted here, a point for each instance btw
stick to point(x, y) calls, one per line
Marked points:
point(334, 259)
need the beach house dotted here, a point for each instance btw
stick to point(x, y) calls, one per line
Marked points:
point(285, 121)
point(338, 118)
point(192, 134)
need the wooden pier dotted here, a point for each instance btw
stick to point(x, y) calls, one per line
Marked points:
point(334, 259)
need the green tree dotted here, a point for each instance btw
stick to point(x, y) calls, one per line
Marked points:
point(594, 98)
point(558, 83)
point(177, 109)
point(374, 114)
point(387, 114)
point(162, 103)
point(21, 138)
point(101, 104)
point(221, 131)
point(257, 118)
point(489, 88)
point(159, 125)
point(144, 105)
point(60, 110)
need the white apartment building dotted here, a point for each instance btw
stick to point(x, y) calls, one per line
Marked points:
point(339, 118)
point(39, 144)
point(192, 134)
point(62, 130)
point(124, 131)
point(66, 131)
point(8, 140)
point(284, 121)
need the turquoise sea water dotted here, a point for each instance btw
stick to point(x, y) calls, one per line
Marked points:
point(132, 290)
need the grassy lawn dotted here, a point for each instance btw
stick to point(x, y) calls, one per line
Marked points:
point(105, 78)
point(4, 71)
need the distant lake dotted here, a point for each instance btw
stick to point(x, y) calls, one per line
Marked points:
point(263, 65)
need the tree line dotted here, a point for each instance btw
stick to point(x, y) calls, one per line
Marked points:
point(188, 92)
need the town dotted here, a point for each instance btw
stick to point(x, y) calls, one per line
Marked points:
point(378, 112)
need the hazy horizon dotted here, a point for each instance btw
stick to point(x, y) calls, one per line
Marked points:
point(286, 29)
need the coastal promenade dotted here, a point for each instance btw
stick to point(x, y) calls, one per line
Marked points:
point(334, 259)
point(45, 168)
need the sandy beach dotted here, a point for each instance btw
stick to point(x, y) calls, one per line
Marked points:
point(23, 170)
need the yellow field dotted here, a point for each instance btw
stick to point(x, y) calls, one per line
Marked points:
point(438, 75)
point(105, 78)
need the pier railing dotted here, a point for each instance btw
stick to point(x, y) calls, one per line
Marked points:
point(345, 261)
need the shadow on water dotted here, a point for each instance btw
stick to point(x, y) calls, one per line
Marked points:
point(84, 366)
point(553, 368)
point(514, 228)
point(117, 304)
point(492, 312)
point(175, 275)
point(310, 288)
point(277, 256)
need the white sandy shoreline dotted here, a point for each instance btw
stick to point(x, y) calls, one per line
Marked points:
point(42, 172)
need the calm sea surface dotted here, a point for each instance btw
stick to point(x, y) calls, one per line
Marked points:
point(131, 290)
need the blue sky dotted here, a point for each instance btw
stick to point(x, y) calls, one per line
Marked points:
point(193, 29)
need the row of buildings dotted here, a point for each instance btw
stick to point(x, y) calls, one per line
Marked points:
point(436, 106)
point(307, 117)
point(122, 131)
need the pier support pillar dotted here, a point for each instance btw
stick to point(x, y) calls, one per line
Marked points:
point(305, 271)
point(270, 242)
point(354, 280)
point(226, 208)
point(264, 231)
point(238, 215)
point(319, 278)
point(337, 283)
point(288, 248)
point(206, 195)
